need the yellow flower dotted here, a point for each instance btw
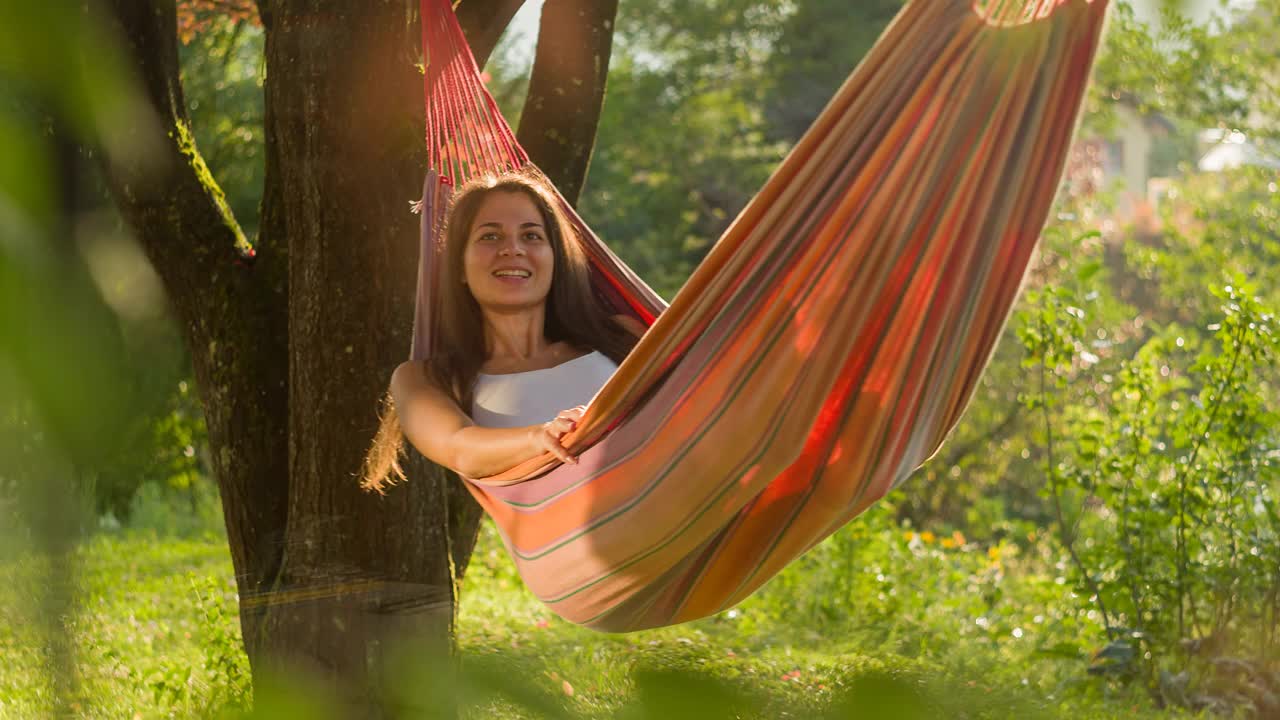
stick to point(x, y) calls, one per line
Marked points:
point(927, 537)
point(993, 552)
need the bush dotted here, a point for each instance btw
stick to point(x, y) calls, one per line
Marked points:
point(1162, 472)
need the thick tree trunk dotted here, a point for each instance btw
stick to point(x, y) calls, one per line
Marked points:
point(346, 122)
point(292, 349)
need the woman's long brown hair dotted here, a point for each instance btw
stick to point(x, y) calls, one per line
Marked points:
point(573, 314)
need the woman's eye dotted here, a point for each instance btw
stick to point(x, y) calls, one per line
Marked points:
point(532, 236)
point(489, 237)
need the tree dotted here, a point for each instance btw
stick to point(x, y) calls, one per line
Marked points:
point(293, 336)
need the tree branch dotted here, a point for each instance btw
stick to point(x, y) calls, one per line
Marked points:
point(169, 193)
point(483, 22)
point(566, 92)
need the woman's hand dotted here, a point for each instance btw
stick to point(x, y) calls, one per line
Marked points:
point(546, 437)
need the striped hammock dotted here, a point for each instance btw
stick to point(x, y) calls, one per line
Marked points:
point(827, 344)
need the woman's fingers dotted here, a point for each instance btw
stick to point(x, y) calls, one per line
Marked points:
point(555, 448)
point(564, 422)
point(552, 432)
point(574, 414)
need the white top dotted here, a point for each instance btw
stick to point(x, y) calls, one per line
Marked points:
point(536, 396)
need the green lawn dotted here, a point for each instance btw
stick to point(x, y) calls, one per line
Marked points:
point(875, 618)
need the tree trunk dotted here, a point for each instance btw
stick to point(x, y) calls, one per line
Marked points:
point(293, 342)
point(346, 123)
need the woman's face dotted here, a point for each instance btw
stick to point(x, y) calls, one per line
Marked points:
point(508, 261)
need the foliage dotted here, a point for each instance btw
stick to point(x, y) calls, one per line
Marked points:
point(197, 17)
point(61, 402)
point(163, 444)
point(63, 374)
point(226, 681)
point(91, 368)
point(1214, 226)
point(661, 197)
point(1162, 471)
point(1220, 73)
point(817, 47)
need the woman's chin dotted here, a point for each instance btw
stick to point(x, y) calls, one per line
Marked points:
point(513, 300)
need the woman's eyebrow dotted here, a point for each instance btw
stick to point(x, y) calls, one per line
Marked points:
point(498, 224)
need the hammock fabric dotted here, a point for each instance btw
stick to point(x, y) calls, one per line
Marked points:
point(829, 341)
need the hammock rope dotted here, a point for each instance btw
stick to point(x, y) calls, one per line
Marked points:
point(827, 344)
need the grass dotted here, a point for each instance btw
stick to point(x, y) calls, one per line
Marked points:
point(875, 615)
point(137, 627)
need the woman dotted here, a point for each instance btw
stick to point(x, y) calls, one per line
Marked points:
point(521, 338)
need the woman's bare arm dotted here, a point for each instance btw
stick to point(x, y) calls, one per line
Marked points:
point(434, 424)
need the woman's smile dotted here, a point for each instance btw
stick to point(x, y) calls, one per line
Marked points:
point(513, 275)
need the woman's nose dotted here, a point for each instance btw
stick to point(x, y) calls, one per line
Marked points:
point(512, 247)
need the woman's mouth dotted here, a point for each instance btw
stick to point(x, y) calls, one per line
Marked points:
point(512, 276)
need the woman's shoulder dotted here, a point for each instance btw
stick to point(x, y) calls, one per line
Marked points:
point(409, 372)
point(413, 376)
point(413, 383)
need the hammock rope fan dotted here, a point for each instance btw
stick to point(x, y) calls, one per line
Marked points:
point(829, 341)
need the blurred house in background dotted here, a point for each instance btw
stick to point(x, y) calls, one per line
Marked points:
point(1141, 156)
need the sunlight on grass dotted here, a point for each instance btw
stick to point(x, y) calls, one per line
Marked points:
point(158, 612)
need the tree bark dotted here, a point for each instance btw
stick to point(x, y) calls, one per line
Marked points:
point(292, 342)
point(566, 90)
point(359, 570)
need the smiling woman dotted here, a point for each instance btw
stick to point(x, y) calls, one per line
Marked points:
point(524, 347)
